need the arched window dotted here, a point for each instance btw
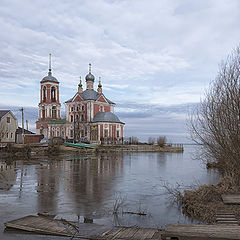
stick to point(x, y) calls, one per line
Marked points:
point(43, 112)
point(44, 94)
point(53, 94)
point(54, 112)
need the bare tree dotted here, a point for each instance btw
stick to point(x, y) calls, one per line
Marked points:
point(215, 124)
point(133, 140)
point(151, 140)
point(161, 141)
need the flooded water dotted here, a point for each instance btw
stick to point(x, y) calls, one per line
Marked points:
point(74, 187)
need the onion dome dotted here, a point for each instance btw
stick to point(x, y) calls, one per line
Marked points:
point(89, 76)
point(49, 77)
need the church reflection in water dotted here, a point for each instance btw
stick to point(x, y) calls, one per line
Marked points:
point(8, 175)
point(77, 185)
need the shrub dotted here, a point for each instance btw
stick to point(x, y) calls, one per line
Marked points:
point(161, 141)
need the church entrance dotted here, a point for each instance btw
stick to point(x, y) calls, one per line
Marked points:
point(94, 133)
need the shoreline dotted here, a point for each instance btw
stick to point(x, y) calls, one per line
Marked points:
point(32, 151)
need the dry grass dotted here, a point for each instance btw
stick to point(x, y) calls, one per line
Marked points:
point(204, 202)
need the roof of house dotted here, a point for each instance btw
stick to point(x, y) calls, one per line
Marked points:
point(3, 112)
point(106, 117)
point(19, 131)
point(90, 95)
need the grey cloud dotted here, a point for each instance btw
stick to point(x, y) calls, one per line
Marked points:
point(166, 52)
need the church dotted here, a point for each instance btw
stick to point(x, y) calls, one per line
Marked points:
point(89, 113)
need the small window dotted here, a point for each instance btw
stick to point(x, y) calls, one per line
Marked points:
point(2, 135)
point(82, 108)
point(54, 112)
point(71, 133)
point(77, 109)
point(44, 94)
point(7, 134)
point(71, 118)
point(72, 109)
point(8, 119)
point(11, 135)
point(117, 134)
point(82, 133)
point(53, 94)
point(105, 133)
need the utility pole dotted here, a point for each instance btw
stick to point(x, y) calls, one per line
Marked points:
point(22, 124)
point(27, 124)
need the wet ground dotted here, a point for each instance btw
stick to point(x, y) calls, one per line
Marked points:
point(92, 187)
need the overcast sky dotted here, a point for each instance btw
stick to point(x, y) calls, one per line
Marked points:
point(155, 57)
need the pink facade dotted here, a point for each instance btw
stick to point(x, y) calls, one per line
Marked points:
point(89, 114)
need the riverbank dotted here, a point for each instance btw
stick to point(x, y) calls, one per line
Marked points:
point(205, 202)
point(36, 150)
point(141, 148)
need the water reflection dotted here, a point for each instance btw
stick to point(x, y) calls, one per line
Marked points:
point(83, 183)
point(86, 186)
point(48, 176)
point(8, 175)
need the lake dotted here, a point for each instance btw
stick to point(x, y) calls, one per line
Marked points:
point(74, 187)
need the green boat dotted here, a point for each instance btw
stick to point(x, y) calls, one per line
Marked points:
point(80, 145)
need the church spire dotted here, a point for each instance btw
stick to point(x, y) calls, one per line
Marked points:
point(80, 89)
point(99, 86)
point(99, 83)
point(80, 82)
point(50, 65)
point(90, 68)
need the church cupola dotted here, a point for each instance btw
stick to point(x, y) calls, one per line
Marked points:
point(99, 86)
point(80, 89)
point(89, 78)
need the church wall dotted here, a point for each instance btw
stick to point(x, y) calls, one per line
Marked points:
point(114, 131)
point(107, 108)
point(42, 125)
point(96, 108)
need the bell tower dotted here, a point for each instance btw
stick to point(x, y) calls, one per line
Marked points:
point(49, 105)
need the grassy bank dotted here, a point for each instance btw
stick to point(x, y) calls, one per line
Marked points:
point(139, 148)
point(204, 202)
point(26, 151)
